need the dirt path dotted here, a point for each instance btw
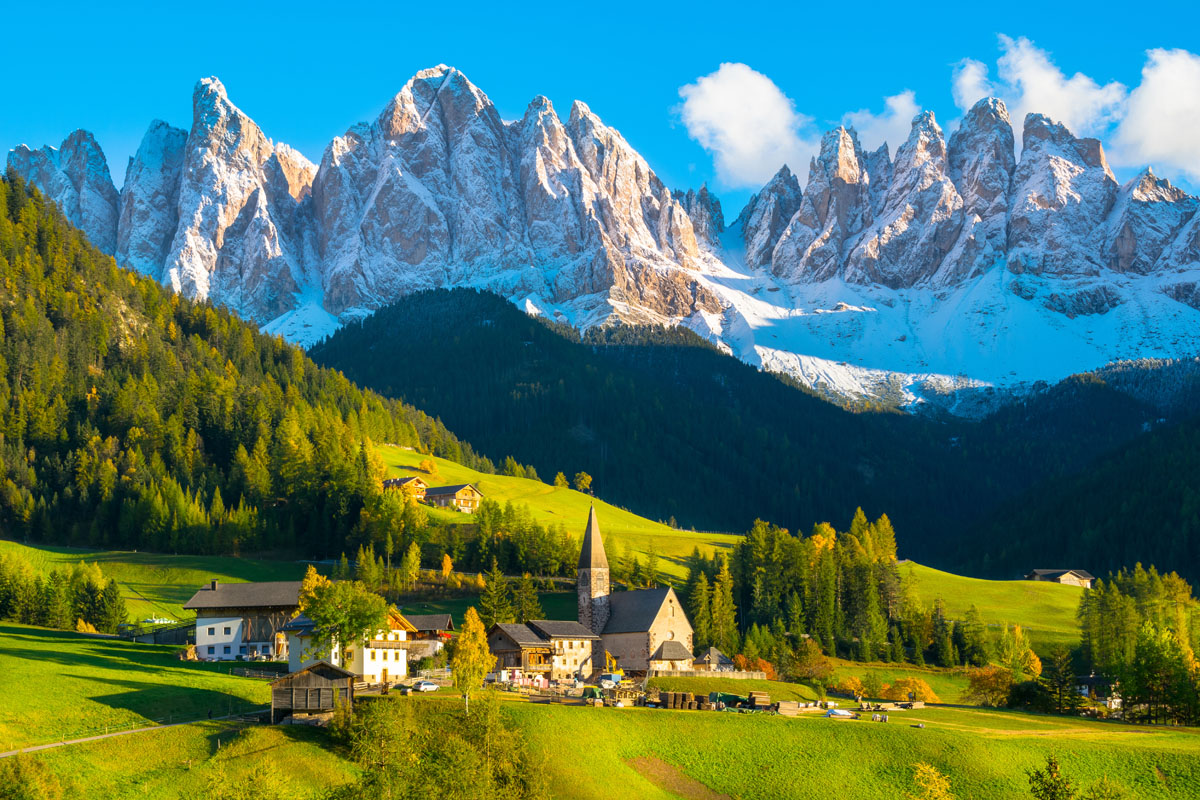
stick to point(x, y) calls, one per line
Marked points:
point(98, 737)
point(672, 779)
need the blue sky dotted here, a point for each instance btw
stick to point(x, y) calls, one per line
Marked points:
point(306, 72)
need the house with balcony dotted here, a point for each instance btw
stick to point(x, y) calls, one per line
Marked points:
point(243, 620)
point(384, 658)
point(539, 651)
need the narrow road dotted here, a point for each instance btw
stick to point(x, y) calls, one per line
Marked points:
point(98, 737)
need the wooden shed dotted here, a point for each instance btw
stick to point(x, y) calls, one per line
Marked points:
point(313, 690)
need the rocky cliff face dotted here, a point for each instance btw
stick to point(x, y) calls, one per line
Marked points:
point(765, 217)
point(888, 265)
point(75, 176)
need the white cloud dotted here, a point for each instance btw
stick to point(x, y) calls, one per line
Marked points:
point(892, 126)
point(971, 83)
point(1162, 118)
point(749, 125)
point(1029, 81)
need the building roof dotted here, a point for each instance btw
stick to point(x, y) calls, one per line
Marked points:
point(431, 622)
point(671, 650)
point(455, 489)
point(1054, 573)
point(520, 633)
point(269, 594)
point(714, 657)
point(560, 629)
point(632, 612)
point(591, 555)
point(322, 668)
point(402, 481)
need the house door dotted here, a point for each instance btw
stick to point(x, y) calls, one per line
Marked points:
point(385, 680)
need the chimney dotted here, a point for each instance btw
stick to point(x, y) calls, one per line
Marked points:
point(214, 584)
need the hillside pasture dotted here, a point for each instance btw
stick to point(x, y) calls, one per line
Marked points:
point(58, 684)
point(156, 584)
point(551, 505)
point(1045, 610)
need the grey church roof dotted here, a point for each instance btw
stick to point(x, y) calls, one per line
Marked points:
point(633, 612)
point(269, 594)
point(591, 555)
point(561, 629)
point(671, 650)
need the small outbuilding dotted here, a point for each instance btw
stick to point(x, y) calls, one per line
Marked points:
point(316, 689)
point(1069, 577)
point(411, 485)
point(713, 660)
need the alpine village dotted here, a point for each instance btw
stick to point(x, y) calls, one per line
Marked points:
point(480, 452)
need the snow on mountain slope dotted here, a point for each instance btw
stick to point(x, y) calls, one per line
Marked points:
point(953, 275)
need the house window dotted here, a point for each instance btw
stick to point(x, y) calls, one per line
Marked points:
point(242, 650)
point(212, 631)
point(226, 630)
point(212, 650)
point(372, 655)
point(226, 649)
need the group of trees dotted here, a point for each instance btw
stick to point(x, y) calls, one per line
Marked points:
point(503, 602)
point(435, 750)
point(841, 589)
point(511, 537)
point(80, 598)
point(130, 416)
point(1140, 629)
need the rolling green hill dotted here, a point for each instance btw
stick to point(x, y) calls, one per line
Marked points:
point(154, 584)
point(554, 505)
point(1045, 610)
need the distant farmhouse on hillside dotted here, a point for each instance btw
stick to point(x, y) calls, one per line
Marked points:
point(411, 485)
point(463, 497)
point(243, 619)
point(1070, 577)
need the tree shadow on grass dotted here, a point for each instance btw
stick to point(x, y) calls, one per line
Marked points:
point(165, 703)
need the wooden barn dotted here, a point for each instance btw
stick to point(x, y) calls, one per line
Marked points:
point(316, 689)
point(463, 497)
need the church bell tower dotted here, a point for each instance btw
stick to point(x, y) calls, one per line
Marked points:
point(592, 584)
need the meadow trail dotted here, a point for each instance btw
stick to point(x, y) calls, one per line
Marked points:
point(98, 737)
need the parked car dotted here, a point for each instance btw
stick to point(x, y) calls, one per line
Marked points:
point(425, 686)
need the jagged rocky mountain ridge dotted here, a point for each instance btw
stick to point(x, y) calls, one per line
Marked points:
point(953, 267)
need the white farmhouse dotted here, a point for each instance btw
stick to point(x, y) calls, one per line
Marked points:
point(243, 619)
point(383, 660)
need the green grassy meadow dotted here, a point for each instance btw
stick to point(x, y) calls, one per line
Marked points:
point(60, 683)
point(778, 690)
point(552, 505)
point(188, 761)
point(157, 584)
point(947, 684)
point(985, 754)
point(1045, 610)
point(52, 680)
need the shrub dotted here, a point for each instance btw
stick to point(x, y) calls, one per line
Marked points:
point(901, 687)
point(851, 685)
point(989, 686)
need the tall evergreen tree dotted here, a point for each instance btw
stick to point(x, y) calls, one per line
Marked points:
point(495, 604)
point(724, 612)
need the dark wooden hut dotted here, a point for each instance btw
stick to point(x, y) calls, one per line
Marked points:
point(313, 690)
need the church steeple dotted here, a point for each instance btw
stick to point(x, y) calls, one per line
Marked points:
point(591, 555)
point(593, 581)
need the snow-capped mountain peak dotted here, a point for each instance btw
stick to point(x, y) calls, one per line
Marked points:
point(954, 264)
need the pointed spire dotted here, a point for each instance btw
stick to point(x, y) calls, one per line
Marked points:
point(591, 555)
